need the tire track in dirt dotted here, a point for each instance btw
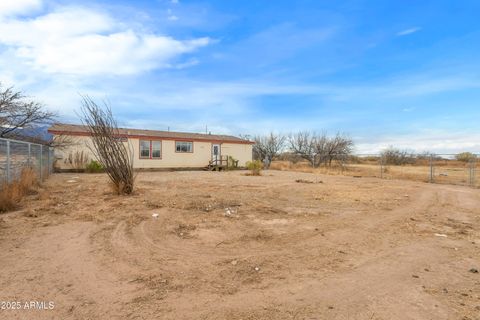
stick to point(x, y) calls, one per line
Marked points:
point(70, 265)
point(370, 278)
point(356, 260)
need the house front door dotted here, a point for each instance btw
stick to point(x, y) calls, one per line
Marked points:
point(216, 153)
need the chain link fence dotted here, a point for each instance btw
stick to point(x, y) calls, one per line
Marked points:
point(17, 155)
point(433, 168)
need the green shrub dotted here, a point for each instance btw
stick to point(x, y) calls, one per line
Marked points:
point(255, 167)
point(94, 167)
point(465, 156)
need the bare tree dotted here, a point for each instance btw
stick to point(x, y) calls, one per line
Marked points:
point(337, 148)
point(107, 145)
point(18, 112)
point(303, 143)
point(266, 148)
point(61, 142)
point(319, 148)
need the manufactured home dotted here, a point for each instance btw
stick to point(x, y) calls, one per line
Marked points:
point(154, 149)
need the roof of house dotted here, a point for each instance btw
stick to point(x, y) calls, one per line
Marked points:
point(80, 130)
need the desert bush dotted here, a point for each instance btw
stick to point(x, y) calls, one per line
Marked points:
point(465, 157)
point(12, 193)
point(94, 167)
point(255, 167)
point(392, 156)
point(109, 150)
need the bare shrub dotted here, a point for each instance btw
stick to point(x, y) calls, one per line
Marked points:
point(107, 145)
point(12, 193)
point(393, 156)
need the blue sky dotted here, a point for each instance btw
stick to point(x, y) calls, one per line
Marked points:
point(402, 73)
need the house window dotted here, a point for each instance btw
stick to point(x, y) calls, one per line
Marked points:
point(144, 149)
point(150, 149)
point(156, 149)
point(183, 146)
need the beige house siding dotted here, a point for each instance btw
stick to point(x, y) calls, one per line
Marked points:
point(241, 152)
point(171, 159)
point(65, 157)
point(201, 155)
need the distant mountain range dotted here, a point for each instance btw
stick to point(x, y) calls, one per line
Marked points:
point(34, 134)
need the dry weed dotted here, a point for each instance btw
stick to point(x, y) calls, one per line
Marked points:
point(13, 192)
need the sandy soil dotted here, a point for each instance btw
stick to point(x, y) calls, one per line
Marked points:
point(230, 246)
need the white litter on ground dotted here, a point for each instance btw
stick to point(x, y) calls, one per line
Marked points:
point(441, 235)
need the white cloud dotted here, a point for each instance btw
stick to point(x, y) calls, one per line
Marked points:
point(171, 16)
point(408, 31)
point(13, 7)
point(80, 41)
point(438, 141)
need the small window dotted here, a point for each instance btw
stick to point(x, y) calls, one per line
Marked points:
point(156, 149)
point(183, 146)
point(144, 149)
point(150, 149)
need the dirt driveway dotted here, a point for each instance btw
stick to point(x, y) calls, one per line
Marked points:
point(230, 246)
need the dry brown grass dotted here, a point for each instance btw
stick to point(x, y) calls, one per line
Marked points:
point(12, 193)
point(445, 171)
point(304, 166)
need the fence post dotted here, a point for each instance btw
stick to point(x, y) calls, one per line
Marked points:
point(381, 167)
point(474, 171)
point(29, 155)
point(9, 176)
point(41, 163)
point(432, 174)
point(48, 160)
point(471, 171)
point(52, 159)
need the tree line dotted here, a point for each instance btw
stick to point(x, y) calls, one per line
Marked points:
point(316, 148)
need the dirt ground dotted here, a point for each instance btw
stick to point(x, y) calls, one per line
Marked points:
point(285, 245)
